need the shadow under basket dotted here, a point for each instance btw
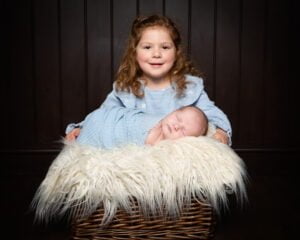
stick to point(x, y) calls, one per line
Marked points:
point(197, 221)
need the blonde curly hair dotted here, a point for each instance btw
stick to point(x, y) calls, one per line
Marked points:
point(129, 70)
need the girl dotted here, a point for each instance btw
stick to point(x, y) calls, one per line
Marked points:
point(156, 77)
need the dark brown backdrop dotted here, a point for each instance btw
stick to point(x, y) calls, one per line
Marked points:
point(58, 63)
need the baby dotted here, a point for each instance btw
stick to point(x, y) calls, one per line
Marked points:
point(109, 128)
point(186, 121)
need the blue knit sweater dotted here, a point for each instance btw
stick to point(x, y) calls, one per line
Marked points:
point(164, 101)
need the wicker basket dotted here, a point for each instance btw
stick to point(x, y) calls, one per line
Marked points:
point(197, 221)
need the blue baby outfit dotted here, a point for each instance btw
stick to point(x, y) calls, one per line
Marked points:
point(164, 101)
point(116, 126)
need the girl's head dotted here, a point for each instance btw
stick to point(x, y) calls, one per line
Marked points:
point(156, 55)
point(168, 61)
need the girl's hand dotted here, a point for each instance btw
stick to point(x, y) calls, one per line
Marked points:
point(71, 136)
point(221, 136)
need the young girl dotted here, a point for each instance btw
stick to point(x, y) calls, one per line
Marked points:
point(156, 77)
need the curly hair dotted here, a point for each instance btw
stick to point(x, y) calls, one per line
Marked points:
point(129, 70)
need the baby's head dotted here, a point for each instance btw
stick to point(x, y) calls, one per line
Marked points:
point(186, 121)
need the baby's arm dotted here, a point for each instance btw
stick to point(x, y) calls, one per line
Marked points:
point(154, 135)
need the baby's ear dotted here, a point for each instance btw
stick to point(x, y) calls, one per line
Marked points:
point(211, 130)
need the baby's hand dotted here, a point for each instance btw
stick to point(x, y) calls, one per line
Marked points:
point(71, 136)
point(221, 136)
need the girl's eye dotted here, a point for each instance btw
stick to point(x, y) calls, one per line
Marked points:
point(146, 47)
point(166, 47)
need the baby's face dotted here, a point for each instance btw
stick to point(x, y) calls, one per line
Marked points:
point(186, 122)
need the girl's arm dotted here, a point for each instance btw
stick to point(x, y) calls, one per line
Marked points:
point(73, 134)
point(221, 136)
point(73, 129)
point(217, 117)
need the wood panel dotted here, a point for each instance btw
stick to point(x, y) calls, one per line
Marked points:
point(5, 73)
point(203, 41)
point(276, 73)
point(228, 59)
point(179, 12)
point(251, 86)
point(73, 59)
point(124, 13)
point(146, 7)
point(21, 88)
point(47, 72)
point(293, 69)
point(99, 47)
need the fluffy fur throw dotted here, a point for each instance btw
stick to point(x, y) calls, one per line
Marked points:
point(83, 178)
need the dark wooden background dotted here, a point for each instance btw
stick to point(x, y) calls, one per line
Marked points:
point(58, 63)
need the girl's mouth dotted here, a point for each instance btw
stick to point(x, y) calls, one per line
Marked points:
point(156, 64)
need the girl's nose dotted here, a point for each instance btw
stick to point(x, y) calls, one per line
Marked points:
point(156, 53)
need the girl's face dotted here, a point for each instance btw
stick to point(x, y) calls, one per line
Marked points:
point(155, 54)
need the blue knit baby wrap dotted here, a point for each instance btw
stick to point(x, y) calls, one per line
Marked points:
point(116, 126)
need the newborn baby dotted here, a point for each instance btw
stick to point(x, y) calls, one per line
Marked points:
point(114, 127)
point(186, 121)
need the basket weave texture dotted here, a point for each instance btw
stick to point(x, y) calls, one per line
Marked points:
point(196, 221)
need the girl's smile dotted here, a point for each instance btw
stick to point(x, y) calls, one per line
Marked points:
point(156, 64)
point(155, 54)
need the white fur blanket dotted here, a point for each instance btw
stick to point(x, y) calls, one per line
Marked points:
point(83, 178)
